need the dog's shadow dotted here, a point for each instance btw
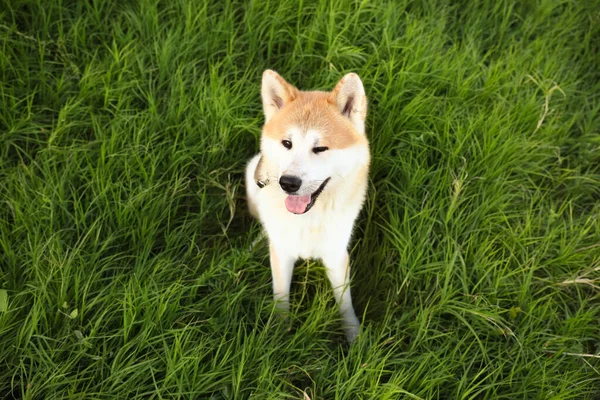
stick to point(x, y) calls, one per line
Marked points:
point(371, 287)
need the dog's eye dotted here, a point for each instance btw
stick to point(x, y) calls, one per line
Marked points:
point(321, 149)
point(287, 144)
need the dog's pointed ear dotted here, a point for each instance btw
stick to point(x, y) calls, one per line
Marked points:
point(349, 97)
point(276, 93)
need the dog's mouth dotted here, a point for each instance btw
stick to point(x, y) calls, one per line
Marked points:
point(301, 204)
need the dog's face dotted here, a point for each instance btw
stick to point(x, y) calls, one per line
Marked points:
point(312, 140)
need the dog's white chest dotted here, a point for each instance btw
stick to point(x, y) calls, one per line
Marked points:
point(311, 235)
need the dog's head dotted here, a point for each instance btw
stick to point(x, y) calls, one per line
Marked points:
point(312, 141)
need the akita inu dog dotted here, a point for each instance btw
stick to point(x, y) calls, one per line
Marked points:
point(309, 181)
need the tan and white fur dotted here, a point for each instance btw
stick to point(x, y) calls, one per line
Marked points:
point(309, 181)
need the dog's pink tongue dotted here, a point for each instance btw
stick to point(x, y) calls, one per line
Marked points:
point(297, 204)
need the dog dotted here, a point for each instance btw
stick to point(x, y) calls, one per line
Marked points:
point(309, 181)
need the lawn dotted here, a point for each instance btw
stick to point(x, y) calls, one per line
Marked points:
point(131, 268)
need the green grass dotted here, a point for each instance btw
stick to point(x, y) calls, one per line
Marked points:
point(126, 261)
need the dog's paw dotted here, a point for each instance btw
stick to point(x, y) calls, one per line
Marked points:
point(351, 327)
point(352, 332)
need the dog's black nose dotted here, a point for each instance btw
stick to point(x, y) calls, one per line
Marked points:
point(290, 183)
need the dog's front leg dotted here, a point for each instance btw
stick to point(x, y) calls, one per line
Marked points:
point(338, 272)
point(282, 267)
